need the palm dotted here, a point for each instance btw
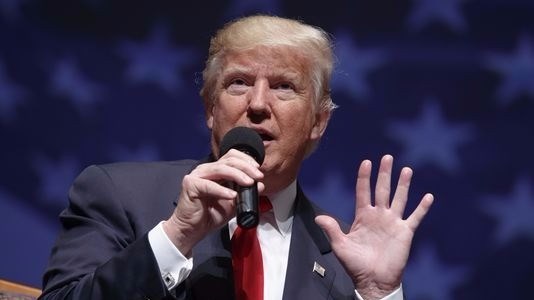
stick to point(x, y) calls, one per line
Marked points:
point(375, 250)
point(377, 243)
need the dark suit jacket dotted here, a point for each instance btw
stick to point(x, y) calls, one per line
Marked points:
point(103, 250)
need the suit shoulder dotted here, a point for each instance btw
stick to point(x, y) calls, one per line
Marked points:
point(146, 170)
point(128, 167)
point(138, 176)
point(145, 190)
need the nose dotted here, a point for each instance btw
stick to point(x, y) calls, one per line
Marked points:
point(259, 102)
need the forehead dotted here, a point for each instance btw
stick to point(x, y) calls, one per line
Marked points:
point(270, 60)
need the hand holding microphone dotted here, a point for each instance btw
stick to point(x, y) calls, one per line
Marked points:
point(204, 204)
point(247, 141)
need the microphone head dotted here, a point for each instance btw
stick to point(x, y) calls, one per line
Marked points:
point(245, 140)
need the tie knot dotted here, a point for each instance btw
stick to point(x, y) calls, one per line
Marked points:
point(265, 204)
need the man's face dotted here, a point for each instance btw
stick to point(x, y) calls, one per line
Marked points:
point(269, 90)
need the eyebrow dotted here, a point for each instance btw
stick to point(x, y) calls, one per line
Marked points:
point(235, 70)
point(288, 73)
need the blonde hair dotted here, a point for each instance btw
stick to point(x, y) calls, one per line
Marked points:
point(271, 31)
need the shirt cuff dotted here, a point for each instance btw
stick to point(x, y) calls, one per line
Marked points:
point(395, 295)
point(173, 265)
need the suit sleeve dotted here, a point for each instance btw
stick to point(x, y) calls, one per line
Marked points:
point(98, 255)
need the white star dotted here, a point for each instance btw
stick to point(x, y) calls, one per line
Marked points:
point(353, 66)
point(517, 71)
point(514, 213)
point(156, 61)
point(55, 177)
point(243, 7)
point(429, 139)
point(11, 95)
point(68, 81)
point(333, 196)
point(146, 152)
point(426, 277)
point(446, 12)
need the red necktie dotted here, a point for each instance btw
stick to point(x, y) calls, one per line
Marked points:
point(247, 261)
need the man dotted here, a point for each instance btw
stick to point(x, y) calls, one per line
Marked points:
point(271, 75)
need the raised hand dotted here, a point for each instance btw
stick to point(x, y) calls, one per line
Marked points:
point(205, 202)
point(375, 250)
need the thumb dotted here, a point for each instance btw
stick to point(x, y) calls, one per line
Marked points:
point(330, 227)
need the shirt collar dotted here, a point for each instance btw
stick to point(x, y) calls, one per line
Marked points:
point(283, 206)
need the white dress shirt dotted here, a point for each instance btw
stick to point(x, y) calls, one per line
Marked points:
point(274, 235)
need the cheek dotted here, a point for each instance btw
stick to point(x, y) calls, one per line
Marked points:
point(299, 122)
point(228, 110)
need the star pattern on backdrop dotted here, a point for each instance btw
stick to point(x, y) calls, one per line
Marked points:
point(332, 189)
point(444, 12)
point(55, 178)
point(68, 81)
point(516, 71)
point(136, 88)
point(11, 95)
point(427, 277)
point(513, 213)
point(156, 60)
point(353, 67)
point(429, 139)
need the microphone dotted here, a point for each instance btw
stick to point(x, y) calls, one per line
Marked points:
point(248, 141)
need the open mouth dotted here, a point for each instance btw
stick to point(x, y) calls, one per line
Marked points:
point(266, 137)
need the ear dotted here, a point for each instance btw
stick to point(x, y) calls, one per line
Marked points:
point(320, 123)
point(209, 116)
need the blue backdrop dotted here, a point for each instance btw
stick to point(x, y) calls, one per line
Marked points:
point(446, 86)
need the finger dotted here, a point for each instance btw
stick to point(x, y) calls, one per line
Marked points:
point(221, 211)
point(401, 193)
point(221, 171)
point(241, 156)
point(420, 211)
point(330, 227)
point(383, 182)
point(244, 163)
point(363, 186)
point(195, 187)
point(261, 187)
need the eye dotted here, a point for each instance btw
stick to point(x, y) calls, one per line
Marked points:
point(237, 86)
point(237, 81)
point(284, 86)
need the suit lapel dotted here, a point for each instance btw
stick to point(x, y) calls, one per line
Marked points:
point(308, 246)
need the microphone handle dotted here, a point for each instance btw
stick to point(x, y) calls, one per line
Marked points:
point(247, 206)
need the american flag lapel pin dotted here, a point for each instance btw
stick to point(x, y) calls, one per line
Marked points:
point(317, 268)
